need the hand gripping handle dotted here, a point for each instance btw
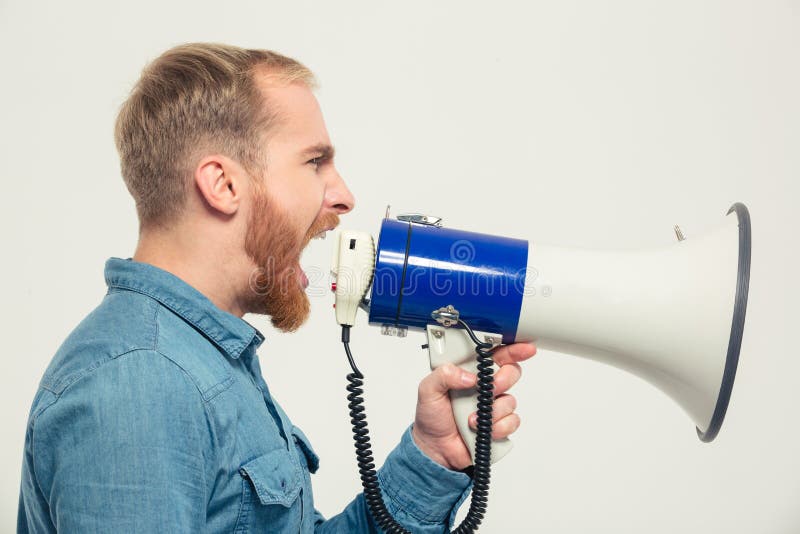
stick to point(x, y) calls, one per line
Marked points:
point(453, 345)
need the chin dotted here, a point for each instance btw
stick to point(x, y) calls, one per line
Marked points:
point(287, 308)
point(292, 318)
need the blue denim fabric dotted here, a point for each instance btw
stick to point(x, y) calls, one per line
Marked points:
point(154, 417)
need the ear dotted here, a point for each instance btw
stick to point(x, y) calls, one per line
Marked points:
point(220, 182)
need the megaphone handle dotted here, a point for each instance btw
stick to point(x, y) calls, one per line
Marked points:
point(453, 345)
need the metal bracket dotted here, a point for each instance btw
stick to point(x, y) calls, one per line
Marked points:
point(446, 316)
point(419, 218)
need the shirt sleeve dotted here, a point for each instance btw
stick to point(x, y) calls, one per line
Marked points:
point(421, 495)
point(110, 458)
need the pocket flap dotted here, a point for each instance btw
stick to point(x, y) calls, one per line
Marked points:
point(275, 476)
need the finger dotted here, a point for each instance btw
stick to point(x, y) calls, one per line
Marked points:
point(443, 379)
point(505, 377)
point(504, 405)
point(516, 352)
point(506, 426)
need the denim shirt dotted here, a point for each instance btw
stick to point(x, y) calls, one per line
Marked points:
point(154, 417)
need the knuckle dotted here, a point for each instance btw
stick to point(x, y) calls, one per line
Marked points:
point(512, 401)
point(505, 404)
point(447, 370)
point(508, 425)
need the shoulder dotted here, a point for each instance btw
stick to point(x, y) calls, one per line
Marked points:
point(123, 323)
point(128, 329)
point(138, 385)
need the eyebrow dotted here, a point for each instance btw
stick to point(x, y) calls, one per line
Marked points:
point(324, 150)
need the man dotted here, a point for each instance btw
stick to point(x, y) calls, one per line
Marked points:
point(154, 415)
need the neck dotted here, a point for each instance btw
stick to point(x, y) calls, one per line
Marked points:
point(198, 263)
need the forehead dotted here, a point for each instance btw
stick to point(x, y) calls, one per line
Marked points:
point(300, 118)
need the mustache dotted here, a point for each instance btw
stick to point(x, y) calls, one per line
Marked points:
point(327, 221)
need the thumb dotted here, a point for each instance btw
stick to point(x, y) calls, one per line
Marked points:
point(443, 379)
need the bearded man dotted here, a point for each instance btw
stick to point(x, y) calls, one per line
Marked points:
point(154, 416)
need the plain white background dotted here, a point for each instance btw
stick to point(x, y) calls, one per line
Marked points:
point(592, 124)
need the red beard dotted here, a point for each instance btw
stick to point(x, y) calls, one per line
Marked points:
point(273, 245)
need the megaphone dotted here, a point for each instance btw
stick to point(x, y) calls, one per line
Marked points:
point(623, 308)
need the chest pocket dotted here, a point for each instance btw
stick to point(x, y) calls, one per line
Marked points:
point(271, 484)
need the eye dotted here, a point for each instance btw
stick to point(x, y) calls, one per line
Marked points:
point(316, 162)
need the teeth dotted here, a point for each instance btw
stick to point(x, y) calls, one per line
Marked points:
point(321, 235)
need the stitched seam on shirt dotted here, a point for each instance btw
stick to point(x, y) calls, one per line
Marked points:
point(99, 363)
point(169, 303)
point(243, 509)
point(33, 449)
point(155, 323)
point(94, 367)
point(212, 392)
point(85, 371)
point(207, 394)
point(67, 381)
point(215, 390)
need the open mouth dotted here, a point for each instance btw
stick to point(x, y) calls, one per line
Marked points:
point(321, 234)
point(302, 278)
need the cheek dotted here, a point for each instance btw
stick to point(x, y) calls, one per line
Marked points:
point(310, 201)
point(302, 206)
point(300, 195)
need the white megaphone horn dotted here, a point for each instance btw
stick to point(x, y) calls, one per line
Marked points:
point(624, 308)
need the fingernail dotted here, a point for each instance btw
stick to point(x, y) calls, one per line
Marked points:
point(466, 378)
point(473, 419)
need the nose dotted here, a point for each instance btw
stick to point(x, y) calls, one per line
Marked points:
point(338, 196)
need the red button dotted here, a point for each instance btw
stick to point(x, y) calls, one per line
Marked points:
point(333, 287)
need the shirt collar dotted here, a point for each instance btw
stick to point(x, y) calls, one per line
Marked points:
point(230, 333)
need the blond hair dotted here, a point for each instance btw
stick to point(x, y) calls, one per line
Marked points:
point(195, 98)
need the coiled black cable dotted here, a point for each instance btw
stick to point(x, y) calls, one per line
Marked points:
point(483, 441)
